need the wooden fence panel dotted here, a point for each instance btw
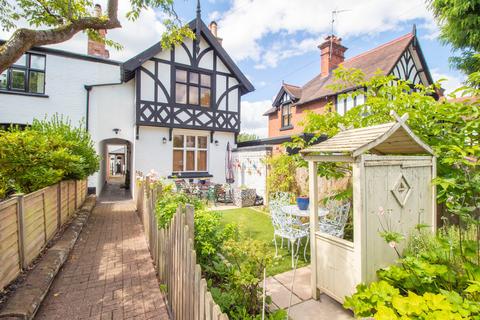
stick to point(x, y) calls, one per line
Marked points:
point(35, 237)
point(173, 252)
point(9, 242)
point(51, 211)
point(28, 222)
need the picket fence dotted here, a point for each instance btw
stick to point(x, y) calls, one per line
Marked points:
point(175, 259)
point(29, 221)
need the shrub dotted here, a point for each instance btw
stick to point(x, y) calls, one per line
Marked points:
point(44, 154)
point(281, 174)
point(168, 203)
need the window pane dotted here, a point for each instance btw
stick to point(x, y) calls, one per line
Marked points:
point(177, 141)
point(190, 161)
point(202, 142)
point(202, 160)
point(193, 77)
point(190, 141)
point(205, 97)
point(37, 81)
point(18, 79)
point(22, 61)
point(205, 80)
point(193, 95)
point(181, 93)
point(3, 80)
point(181, 75)
point(177, 160)
point(37, 62)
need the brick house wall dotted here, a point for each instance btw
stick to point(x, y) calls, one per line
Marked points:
point(298, 114)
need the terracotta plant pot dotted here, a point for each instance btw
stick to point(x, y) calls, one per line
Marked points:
point(303, 202)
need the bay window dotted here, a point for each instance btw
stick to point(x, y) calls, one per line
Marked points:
point(189, 153)
point(27, 74)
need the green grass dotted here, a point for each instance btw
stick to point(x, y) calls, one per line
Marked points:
point(258, 225)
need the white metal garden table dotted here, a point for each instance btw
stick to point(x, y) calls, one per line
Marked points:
point(293, 210)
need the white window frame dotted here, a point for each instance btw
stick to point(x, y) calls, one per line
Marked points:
point(195, 149)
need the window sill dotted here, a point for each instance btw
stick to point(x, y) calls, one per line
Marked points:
point(19, 93)
point(190, 175)
point(286, 128)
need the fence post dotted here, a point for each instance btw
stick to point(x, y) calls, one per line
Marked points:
point(76, 195)
point(59, 205)
point(21, 229)
point(190, 221)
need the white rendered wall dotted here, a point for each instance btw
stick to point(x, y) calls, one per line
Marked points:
point(250, 169)
point(64, 85)
point(111, 107)
point(152, 154)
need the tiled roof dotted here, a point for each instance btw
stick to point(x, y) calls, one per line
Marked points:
point(382, 58)
point(292, 90)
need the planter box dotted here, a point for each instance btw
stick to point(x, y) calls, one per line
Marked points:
point(244, 197)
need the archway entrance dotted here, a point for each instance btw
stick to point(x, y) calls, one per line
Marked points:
point(116, 167)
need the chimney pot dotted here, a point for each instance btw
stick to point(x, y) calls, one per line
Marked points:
point(96, 48)
point(331, 54)
point(213, 27)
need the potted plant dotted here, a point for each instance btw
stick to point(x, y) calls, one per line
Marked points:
point(303, 202)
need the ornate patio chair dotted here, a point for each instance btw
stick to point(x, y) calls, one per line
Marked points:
point(334, 224)
point(285, 226)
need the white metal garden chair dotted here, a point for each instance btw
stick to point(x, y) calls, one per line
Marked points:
point(335, 224)
point(286, 226)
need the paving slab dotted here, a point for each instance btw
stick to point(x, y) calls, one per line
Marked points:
point(301, 287)
point(280, 294)
point(324, 309)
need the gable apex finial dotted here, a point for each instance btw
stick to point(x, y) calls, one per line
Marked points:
point(197, 26)
point(414, 30)
point(199, 10)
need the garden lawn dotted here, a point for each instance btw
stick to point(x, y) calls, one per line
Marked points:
point(257, 225)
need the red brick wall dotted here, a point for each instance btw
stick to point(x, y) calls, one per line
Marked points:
point(298, 113)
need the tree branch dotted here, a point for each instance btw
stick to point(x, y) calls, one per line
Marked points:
point(24, 39)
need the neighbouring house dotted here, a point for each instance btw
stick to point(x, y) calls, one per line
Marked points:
point(174, 110)
point(401, 57)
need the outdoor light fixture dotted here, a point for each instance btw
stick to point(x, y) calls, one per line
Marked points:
point(216, 143)
point(116, 130)
point(164, 140)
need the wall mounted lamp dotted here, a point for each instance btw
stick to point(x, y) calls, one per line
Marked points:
point(164, 140)
point(116, 130)
point(216, 143)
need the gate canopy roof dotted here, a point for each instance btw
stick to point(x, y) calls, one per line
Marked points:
point(391, 138)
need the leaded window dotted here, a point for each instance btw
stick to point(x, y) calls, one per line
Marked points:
point(189, 153)
point(27, 74)
point(192, 88)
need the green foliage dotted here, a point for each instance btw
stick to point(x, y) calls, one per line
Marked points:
point(246, 137)
point(168, 203)
point(460, 27)
point(382, 301)
point(281, 174)
point(44, 154)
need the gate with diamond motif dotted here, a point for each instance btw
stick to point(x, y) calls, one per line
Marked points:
point(392, 171)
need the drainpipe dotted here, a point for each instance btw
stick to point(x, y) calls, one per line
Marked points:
point(87, 109)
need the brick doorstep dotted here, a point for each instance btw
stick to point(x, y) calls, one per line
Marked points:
point(26, 300)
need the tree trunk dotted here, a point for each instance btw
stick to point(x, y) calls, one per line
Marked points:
point(24, 39)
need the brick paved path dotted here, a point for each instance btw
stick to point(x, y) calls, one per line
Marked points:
point(109, 274)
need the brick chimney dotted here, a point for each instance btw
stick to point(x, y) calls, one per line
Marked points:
point(330, 61)
point(213, 29)
point(96, 48)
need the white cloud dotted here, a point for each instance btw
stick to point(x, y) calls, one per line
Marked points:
point(134, 36)
point(248, 22)
point(451, 82)
point(252, 120)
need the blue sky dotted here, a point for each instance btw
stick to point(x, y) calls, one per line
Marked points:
point(276, 40)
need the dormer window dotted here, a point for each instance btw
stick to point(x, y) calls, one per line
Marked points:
point(192, 88)
point(27, 74)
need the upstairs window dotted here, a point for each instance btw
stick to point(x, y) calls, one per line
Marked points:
point(192, 88)
point(189, 153)
point(286, 110)
point(27, 74)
